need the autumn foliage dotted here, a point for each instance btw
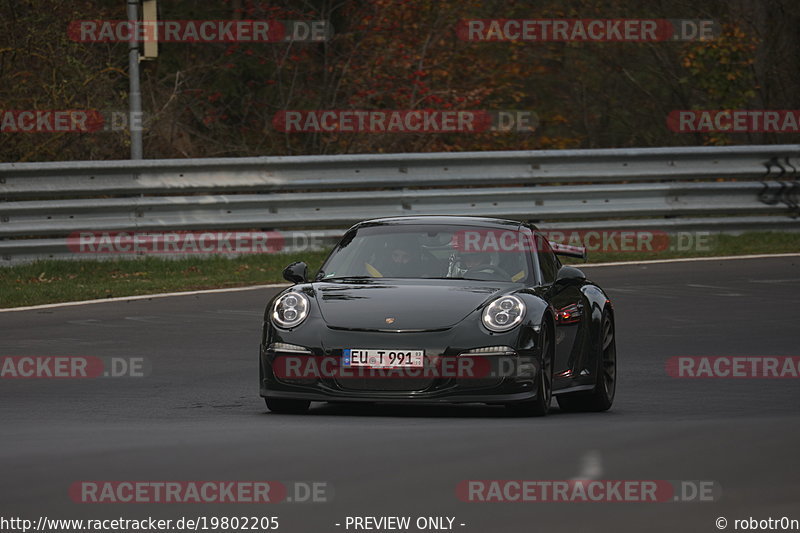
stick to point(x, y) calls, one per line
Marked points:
point(219, 99)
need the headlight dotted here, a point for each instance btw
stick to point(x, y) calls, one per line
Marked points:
point(290, 310)
point(503, 314)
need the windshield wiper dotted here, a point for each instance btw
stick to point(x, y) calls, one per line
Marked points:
point(347, 277)
point(447, 277)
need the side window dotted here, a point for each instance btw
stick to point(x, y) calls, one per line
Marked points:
point(548, 262)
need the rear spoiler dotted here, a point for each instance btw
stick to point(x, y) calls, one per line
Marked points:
point(567, 250)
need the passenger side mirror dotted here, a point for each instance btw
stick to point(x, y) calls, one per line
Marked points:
point(568, 274)
point(296, 272)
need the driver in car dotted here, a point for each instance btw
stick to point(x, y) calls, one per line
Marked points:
point(401, 259)
point(477, 262)
point(479, 266)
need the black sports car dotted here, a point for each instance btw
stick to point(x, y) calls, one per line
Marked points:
point(440, 309)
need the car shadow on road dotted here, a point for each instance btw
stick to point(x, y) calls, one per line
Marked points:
point(415, 411)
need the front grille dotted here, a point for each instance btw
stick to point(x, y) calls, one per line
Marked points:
point(479, 383)
point(385, 384)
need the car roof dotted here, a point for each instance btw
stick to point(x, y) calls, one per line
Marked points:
point(442, 220)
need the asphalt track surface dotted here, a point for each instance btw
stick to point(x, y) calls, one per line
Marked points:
point(198, 415)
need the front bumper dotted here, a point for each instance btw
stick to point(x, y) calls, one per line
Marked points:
point(500, 379)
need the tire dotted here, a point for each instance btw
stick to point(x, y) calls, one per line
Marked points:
point(280, 405)
point(540, 405)
point(602, 396)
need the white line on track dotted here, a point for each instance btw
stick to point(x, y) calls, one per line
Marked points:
point(255, 287)
point(144, 297)
point(685, 260)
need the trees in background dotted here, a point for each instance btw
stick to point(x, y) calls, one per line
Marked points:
point(218, 99)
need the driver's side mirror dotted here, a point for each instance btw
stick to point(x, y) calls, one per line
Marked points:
point(568, 250)
point(569, 274)
point(296, 272)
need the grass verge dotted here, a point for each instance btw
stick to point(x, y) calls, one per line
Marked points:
point(63, 281)
point(708, 245)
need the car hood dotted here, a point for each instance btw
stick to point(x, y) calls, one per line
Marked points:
point(413, 304)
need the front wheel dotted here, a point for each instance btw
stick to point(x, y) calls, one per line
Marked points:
point(602, 396)
point(281, 405)
point(541, 404)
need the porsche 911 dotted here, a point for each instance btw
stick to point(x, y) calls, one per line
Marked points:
point(441, 309)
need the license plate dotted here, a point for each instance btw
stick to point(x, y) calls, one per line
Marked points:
point(383, 358)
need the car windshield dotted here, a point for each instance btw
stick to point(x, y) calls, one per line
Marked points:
point(430, 251)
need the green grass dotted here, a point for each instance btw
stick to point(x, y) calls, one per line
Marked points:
point(63, 281)
point(709, 246)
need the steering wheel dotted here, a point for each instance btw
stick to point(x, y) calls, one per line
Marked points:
point(488, 273)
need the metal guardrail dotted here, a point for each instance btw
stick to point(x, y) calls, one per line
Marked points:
point(658, 188)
